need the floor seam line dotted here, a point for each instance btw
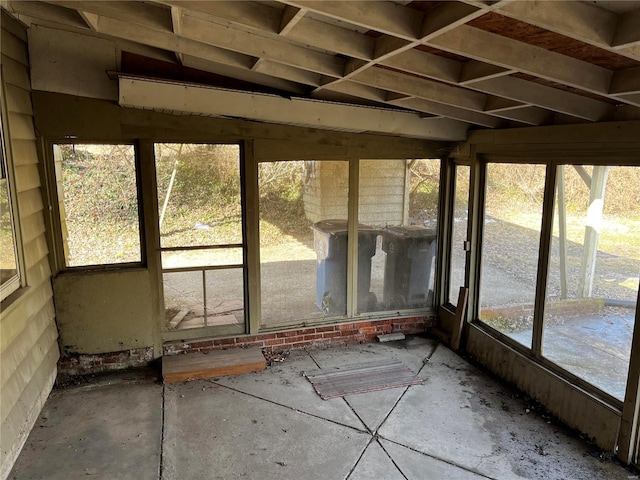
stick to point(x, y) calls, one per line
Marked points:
point(390, 457)
point(359, 458)
point(290, 408)
point(449, 462)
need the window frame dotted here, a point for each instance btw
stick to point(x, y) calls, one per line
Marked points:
point(18, 281)
point(60, 260)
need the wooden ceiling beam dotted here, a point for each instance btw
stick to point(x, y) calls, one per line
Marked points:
point(625, 82)
point(511, 54)
point(618, 33)
point(291, 16)
point(247, 43)
point(448, 111)
point(49, 12)
point(136, 13)
point(425, 64)
point(385, 17)
point(627, 33)
point(176, 18)
point(287, 72)
point(332, 38)
point(422, 88)
point(251, 14)
point(475, 71)
point(545, 97)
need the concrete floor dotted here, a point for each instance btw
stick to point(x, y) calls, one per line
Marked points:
point(459, 424)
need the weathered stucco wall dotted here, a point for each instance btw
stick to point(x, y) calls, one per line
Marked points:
point(102, 312)
point(28, 347)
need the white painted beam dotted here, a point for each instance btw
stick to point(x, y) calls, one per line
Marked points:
point(145, 94)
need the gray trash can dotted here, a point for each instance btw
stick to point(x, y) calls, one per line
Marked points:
point(410, 251)
point(330, 243)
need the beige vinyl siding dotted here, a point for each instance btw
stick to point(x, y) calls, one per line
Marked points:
point(28, 335)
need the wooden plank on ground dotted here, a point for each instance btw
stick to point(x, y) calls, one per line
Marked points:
point(179, 368)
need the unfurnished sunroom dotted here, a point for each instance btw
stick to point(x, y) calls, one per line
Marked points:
point(192, 176)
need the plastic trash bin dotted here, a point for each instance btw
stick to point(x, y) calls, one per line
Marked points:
point(410, 251)
point(330, 243)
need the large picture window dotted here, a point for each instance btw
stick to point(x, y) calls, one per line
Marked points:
point(98, 199)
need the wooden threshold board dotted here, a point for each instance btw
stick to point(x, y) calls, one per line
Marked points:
point(217, 363)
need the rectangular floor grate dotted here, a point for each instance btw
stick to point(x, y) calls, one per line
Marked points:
point(361, 378)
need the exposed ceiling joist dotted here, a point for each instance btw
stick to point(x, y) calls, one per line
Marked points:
point(489, 64)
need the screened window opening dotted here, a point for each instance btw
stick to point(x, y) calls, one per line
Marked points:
point(459, 232)
point(510, 247)
point(202, 250)
point(98, 204)
point(303, 239)
point(398, 215)
point(593, 276)
point(9, 272)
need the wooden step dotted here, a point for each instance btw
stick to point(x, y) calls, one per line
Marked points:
point(217, 363)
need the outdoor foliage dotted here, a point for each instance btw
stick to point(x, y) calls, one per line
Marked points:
point(281, 186)
point(424, 190)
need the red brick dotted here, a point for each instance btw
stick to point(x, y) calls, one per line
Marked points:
point(268, 336)
point(275, 341)
point(331, 335)
point(346, 326)
point(348, 332)
point(312, 336)
point(291, 333)
point(325, 329)
point(368, 330)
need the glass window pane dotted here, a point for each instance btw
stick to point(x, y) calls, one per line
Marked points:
point(298, 280)
point(204, 299)
point(459, 232)
point(9, 279)
point(510, 247)
point(199, 197)
point(398, 211)
point(98, 200)
point(593, 274)
point(205, 257)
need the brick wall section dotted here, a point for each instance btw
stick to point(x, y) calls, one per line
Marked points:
point(104, 362)
point(341, 334)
